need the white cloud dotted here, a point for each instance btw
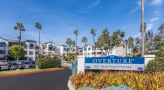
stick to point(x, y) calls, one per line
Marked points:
point(149, 26)
point(90, 6)
point(156, 2)
point(138, 3)
point(154, 19)
point(137, 35)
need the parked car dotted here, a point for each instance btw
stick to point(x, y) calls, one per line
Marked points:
point(27, 64)
point(4, 65)
point(13, 66)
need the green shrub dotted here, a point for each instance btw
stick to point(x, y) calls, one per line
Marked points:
point(43, 63)
point(159, 53)
point(156, 65)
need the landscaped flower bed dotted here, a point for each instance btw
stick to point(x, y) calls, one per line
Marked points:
point(135, 80)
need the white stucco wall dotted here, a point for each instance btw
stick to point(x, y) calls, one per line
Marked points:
point(80, 64)
point(148, 58)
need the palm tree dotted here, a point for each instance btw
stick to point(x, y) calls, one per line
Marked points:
point(73, 44)
point(84, 40)
point(39, 27)
point(93, 32)
point(130, 44)
point(19, 26)
point(76, 32)
point(142, 22)
point(69, 43)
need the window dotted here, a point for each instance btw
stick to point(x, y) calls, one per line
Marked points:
point(37, 47)
point(65, 49)
point(84, 49)
point(25, 58)
point(89, 48)
point(43, 47)
point(31, 46)
point(30, 58)
point(50, 47)
point(25, 46)
point(25, 52)
point(1, 45)
point(30, 53)
point(44, 53)
point(2, 51)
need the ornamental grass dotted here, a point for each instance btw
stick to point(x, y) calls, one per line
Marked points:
point(134, 80)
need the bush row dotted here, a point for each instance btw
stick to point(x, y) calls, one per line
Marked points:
point(134, 80)
point(43, 63)
point(156, 65)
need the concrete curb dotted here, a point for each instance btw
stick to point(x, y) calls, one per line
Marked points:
point(70, 86)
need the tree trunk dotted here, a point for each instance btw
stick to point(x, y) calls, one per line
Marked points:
point(19, 37)
point(85, 50)
point(39, 43)
point(76, 47)
point(94, 45)
point(142, 21)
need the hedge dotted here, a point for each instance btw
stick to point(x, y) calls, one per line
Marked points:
point(156, 65)
point(43, 63)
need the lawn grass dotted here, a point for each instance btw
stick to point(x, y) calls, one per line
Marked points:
point(27, 70)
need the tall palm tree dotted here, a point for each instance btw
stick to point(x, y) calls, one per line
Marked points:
point(69, 43)
point(19, 26)
point(76, 32)
point(84, 40)
point(93, 32)
point(130, 44)
point(142, 22)
point(39, 27)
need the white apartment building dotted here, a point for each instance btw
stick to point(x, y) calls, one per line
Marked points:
point(31, 48)
point(98, 52)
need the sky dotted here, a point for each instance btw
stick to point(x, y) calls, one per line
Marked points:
point(59, 18)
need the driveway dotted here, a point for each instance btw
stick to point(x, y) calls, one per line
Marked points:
point(56, 80)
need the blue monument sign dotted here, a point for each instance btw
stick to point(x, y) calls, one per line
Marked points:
point(114, 63)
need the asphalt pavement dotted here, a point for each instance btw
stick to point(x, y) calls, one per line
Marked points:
point(56, 80)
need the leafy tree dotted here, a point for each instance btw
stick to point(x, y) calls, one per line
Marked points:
point(117, 37)
point(105, 40)
point(84, 40)
point(100, 43)
point(161, 31)
point(93, 32)
point(149, 35)
point(39, 27)
point(19, 26)
point(17, 52)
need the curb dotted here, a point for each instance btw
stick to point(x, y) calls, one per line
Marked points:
point(27, 73)
point(70, 86)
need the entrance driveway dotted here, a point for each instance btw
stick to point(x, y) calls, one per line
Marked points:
point(56, 80)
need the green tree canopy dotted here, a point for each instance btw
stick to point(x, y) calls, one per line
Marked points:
point(17, 51)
